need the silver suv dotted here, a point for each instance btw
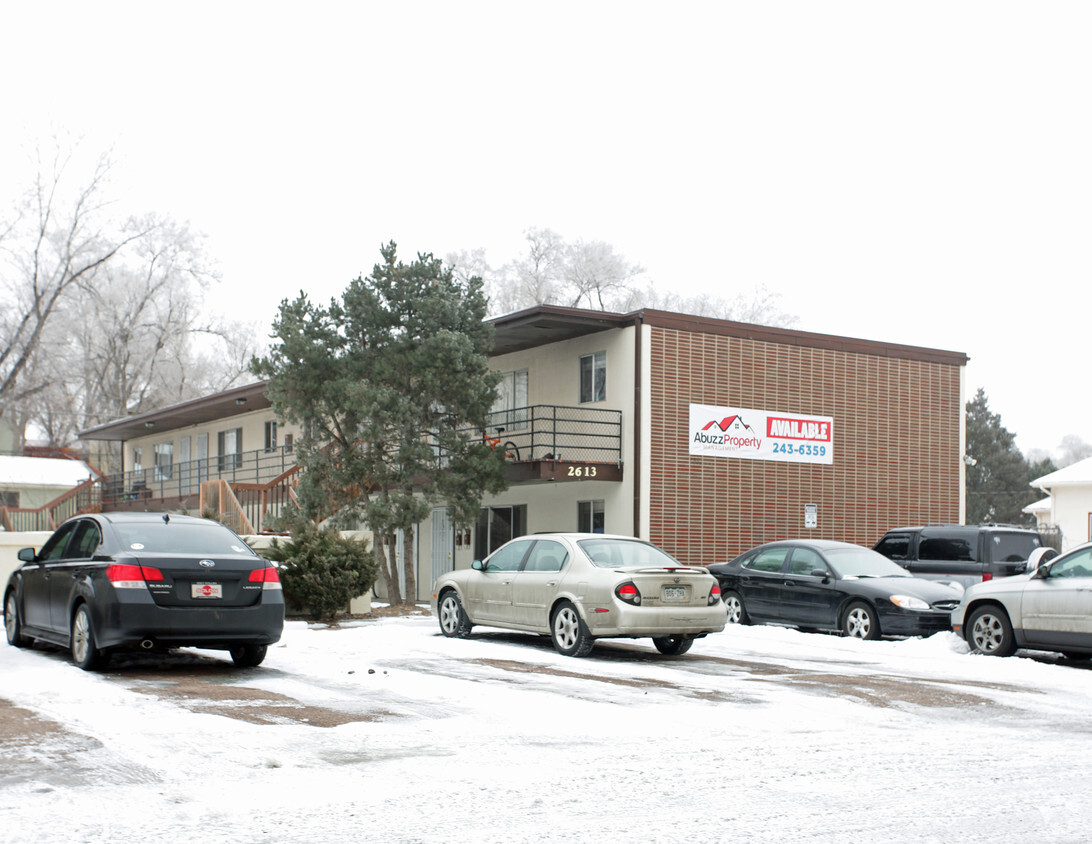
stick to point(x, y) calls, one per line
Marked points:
point(966, 554)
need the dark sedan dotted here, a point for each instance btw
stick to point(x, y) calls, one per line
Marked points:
point(144, 580)
point(826, 585)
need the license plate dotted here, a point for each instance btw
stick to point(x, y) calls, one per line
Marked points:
point(206, 590)
point(674, 593)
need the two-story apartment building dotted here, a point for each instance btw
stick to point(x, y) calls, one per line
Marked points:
point(705, 436)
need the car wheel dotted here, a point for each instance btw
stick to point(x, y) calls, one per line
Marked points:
point(85, 652)
point(737, 613)
point(570, 633)
point(248, 656)
point(989, 631)
point(860, 622)
point(12, 626)
point(672, 645)
point(453, 618)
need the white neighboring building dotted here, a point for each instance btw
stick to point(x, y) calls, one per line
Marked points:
point(1070, 491)
point(31, 482)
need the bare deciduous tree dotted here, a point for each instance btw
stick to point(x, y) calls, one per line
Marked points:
point(57, 238)
point(103, 315)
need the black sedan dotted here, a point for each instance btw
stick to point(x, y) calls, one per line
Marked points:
point(144, 580)
point(826, 585)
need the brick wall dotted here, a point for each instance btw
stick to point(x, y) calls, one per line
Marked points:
point(896, 444)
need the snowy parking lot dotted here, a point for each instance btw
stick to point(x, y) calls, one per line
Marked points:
point(383, 730)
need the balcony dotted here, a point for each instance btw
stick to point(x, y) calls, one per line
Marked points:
point(248, 489)
point(553, 443)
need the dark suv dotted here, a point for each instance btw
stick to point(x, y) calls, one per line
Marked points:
point(965, 553)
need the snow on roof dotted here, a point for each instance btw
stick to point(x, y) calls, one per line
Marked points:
point(1072, 475)
point(42, 471)
point(1040, 506)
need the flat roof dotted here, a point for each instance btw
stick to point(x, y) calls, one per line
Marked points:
point(514, 332)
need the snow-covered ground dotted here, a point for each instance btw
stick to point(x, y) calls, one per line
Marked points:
point(759, 733)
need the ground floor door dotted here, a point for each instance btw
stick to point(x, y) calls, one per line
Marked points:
point(443, 543)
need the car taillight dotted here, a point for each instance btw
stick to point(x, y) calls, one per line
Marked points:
point(714, 594)
point(987, 576)
point(269, 577)
point(132, 577)
point(628, 592)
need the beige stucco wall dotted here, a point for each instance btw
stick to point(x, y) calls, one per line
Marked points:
point(553, 377)
point(252, 423)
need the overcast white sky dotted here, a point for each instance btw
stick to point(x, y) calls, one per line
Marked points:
point(915, 173)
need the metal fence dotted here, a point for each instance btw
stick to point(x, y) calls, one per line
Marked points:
point(553, 432)
point(180, 480)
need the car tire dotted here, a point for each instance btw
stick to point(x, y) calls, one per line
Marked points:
point(737, 612)
point(989, 631)
point(85, 650)
point(12, 624)
point(673, 645)
point(453, 619)
point(569, 632)
point(248, 656)
point(860, 621)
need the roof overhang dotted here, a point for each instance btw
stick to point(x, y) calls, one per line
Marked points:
point(233, 402)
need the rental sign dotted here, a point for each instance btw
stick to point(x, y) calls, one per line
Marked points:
point(760, 435)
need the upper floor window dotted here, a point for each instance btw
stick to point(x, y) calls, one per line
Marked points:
point(593, 377)
point(229, 448)
point(162, 458)
point(510, 408)
point(270, 436)
point(9, 498)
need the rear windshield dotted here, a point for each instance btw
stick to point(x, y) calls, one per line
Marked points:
point(180, 538)
point(615, 553)
point(1013, 547)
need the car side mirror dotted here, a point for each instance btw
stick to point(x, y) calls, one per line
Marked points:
point(823, 573)
point(26, 555)
point(1042, 572)
point(478, 565)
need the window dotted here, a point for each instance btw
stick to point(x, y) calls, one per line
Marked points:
point(805, 561)
point(138, 459)
point(547, 555)
point(510, 408)
point(589, 517)
point(162, 458)
point(895, 546)
point(229, 447)
point(509, 557)
point(593, 377)
point(9, 499)
point(55, 545)
point(270, 436)
point(288, 442)
point(1078, 564)
point(87, 539)
point(769, 560)
point(946, 549)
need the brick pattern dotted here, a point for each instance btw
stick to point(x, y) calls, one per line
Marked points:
point(896, 441)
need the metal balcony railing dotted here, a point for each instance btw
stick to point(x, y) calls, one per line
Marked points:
point(181, 480)
point(553, 432)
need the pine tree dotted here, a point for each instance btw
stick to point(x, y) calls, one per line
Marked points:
point(391, 386)
point(998, 474)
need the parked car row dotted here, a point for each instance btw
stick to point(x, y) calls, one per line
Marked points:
point(156, 581)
